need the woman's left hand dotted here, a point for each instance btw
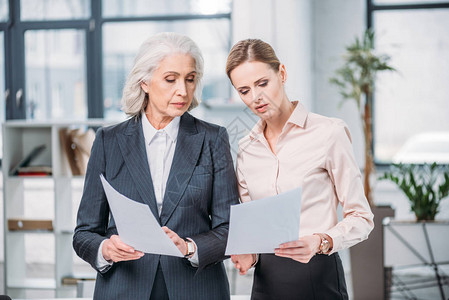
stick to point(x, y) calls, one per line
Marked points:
point(179, 242)
point(301, 250)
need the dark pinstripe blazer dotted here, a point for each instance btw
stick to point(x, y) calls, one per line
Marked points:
point(200, 189)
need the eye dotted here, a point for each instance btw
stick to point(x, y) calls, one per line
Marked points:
point(170, 79)
point(263, 83)
point(190, 79)
point(244, 92)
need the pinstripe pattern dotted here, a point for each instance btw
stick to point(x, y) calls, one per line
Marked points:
point(200, 189)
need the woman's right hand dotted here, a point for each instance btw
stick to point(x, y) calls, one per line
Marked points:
point(243, 262)
point(114, 249)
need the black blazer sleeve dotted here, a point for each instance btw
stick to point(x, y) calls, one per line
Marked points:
point(93, 213)
point(212, 244)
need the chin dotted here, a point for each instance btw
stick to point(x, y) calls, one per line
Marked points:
point(264, 116)
point(178, 113)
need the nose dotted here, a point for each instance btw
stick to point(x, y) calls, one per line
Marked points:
point(257, 96)
point(182, 89)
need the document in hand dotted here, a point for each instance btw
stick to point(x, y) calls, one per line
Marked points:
point(262, 225)
point(136, 224)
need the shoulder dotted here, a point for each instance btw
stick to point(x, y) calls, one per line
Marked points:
point(251, 136)
point(211, 131)
point(121, 127)
point(331, 129)
point(317, 120)
point(245, 142)
point(328, 127)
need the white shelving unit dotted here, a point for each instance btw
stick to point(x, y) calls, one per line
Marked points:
point(19, 139)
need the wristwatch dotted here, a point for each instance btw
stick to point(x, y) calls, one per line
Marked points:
point(190, 248)
point(324, 246)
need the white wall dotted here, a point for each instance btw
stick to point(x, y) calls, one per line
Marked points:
point(287, 26)
point(336, 23)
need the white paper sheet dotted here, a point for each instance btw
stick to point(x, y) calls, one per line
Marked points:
point(262, 225)
point(136, 224)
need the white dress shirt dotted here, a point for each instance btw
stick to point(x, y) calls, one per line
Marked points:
point(160, 147)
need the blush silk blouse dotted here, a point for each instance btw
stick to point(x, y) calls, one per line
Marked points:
point(314, 152)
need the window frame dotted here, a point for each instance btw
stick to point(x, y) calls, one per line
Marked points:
point(14, 32)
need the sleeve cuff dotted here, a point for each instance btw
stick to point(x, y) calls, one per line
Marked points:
point(194, 260)
point(336, 240)
point(255, 262)
point(101, 263)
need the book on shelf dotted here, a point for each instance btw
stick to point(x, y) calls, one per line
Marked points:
point(26, 161)
point(73, 279)
point(17, 224)
point(35, 171)
point(76, 145)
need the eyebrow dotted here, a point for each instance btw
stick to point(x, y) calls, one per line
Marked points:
point(255, 82)
point(176, 73)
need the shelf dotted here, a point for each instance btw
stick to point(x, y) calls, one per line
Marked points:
point(29, 177)
point(33, 283)
point(58, 123)
point(27, 195)
point(37, 231)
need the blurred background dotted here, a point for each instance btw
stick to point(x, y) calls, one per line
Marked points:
point(67, 60)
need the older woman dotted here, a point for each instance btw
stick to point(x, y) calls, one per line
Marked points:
point(291, 147)
point(179, 166)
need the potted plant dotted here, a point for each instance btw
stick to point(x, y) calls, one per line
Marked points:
point(355, 80)
point(424, 185)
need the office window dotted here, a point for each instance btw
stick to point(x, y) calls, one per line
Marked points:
point(55, 74)
point(33, 10)
point(2, 76)
point(412, 105)
point(71, 57)
point(122, 40)
point(3, 10)
point(405, 2)
point(138, 8)
point(2, 86)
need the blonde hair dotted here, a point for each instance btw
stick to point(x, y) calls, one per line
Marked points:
point(150, 54)
point(251, 50)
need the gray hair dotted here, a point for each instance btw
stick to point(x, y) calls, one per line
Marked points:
point(147, 60)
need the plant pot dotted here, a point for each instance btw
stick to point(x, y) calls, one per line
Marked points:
point(367, 260)
point(417, 245)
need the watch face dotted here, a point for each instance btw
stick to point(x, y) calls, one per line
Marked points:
point(325, 246)
point(190, 248)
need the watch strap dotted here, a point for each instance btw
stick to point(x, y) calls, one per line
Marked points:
point(190, 246)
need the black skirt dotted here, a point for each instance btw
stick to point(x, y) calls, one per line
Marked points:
point(283, 278)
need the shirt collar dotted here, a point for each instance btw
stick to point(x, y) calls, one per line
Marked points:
point(171, 129)
point(298, 117)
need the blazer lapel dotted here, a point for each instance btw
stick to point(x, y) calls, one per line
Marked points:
point(132, 146)
point(187, 151)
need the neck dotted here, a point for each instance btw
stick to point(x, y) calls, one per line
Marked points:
point(156, 120)
point(276, 123)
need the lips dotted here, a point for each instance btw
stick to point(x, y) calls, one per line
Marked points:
point(179, 104)
point(261, 107)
